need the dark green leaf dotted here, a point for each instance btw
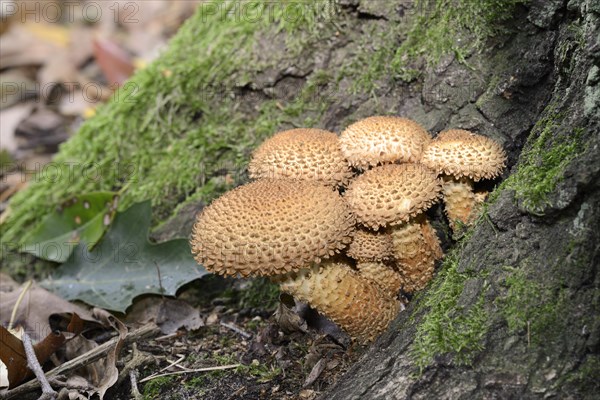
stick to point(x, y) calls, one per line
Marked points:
point(125, 264)
point(83, 218)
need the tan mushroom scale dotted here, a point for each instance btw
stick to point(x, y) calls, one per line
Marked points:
point(461, 153)
point(271, 226)
point(383, 139)
point(370, 246)
point(308, 154)
point(464, 158)
point(351, 301)
point(392, 194)
point(416, 248)
point(382, 275)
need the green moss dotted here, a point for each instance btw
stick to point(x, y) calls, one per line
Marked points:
point(586, 376)
point(155, 387)
point(543, 161)
point(440, 28)
point(532, 308)
point(175, 132)
point(261, 293)
point(447, 327)
point(457, 27)
point(262, 372)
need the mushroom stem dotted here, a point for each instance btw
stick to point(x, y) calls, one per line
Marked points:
point(461, 203)
point(416, 248)
point(334, 289)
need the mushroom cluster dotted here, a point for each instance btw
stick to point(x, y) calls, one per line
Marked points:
point(339, 221)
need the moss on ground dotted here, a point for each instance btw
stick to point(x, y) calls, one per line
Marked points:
point(448, 327)
point(152, 389)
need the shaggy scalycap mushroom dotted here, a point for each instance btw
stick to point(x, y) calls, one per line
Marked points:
point(464, 158)
point(307, 154)
point(354, 303)
point(271, 226)
point(380, 140)
point(461, 153)
point(370, 246)
point(391, 194)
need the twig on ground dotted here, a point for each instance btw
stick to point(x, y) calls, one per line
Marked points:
point(32, 362)
point(219, 368)
point(138, 359)
point(169, 336)
point(83, 360)
point(13, 314)
point(236, 329)
point(135, 392)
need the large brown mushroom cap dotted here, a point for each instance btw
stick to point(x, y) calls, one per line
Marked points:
point(270, 227)
point(370, 246)
point(464, 154)
point(379, 140)
point(391, 194)
point(351, 301)
point(308, 154)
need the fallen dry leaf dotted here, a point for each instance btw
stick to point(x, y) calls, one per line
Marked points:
point(10, 118)
point(287, 319)
point(169, 314)
point(116, 64)
point(100, 375)
point(12, 354)
point(111, 373)
point(35, 309)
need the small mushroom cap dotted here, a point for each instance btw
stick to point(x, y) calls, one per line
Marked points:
point(308, 154)
point(351, 301)
point(380, 140)
point(369, 246)
point(271, 226)
point(464, 154)
point(391, 194)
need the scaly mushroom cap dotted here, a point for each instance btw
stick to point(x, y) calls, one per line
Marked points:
point(391, 194)
point(381, 140)
point(351, 301)
point(271, 226)
point(382, 275)
point(464, 154)
point(416, 248)
point(307, 154)
point(370, 246)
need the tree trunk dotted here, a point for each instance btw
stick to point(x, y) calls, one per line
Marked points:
point(513, 312)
